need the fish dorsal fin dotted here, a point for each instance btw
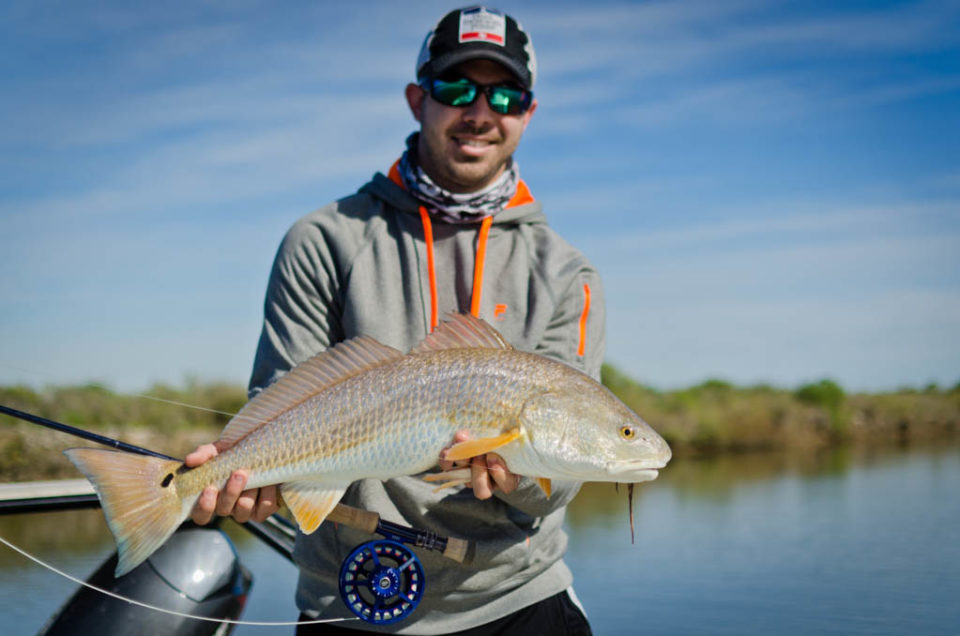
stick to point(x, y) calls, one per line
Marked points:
point(462, 331)
point(339, 362)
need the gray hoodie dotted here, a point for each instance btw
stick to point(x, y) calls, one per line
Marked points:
point(359, 267)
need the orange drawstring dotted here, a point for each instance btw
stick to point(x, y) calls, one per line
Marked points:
point(481, 257)
point(521, 196)
point(477, 268)
point(583, 320)
point(478, 265)
point(431, 268)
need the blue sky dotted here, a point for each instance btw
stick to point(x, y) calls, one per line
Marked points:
point(770, 189)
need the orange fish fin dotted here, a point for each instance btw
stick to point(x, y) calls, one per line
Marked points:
point(311, 501)
point(139, 496)
point(450, 478)
point(339, 362)
point(481, 445)
point(544, 483)
point(462, 331)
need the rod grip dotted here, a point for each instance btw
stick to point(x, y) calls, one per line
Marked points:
point(355, 518)
point(460, 550)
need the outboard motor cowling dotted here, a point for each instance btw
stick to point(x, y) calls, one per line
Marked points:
point(195, 572)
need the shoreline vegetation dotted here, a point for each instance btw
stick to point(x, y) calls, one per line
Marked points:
point(710, 418)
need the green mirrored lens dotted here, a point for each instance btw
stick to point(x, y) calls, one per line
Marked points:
point(462, 92)
point(459, 93)
point(505, 100)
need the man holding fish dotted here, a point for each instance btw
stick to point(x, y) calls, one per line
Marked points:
point(450, 228)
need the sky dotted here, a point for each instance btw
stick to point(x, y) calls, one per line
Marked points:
point(770, 189)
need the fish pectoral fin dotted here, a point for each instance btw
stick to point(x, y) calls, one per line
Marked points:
point(544, 484)
point(450, 478)
point(481, 445)
point(311, 501)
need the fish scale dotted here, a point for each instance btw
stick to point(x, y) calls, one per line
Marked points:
point(467, 391)
point(364, 410)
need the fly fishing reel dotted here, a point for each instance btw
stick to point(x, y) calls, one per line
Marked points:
point(381, 581)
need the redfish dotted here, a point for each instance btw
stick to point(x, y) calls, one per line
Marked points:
point(363, 410)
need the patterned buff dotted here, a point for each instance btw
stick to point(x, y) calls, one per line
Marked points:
point(452, 207)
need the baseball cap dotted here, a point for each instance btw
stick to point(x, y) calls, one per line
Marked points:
point(478, 33)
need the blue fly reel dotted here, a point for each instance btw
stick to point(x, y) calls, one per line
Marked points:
point(381, 581)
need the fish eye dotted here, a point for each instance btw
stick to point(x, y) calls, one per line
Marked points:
point(627, 432)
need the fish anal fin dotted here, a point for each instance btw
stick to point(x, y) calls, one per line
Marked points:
point(481, 445)
point(311, 501)
point(545, 485)
point(341, 361)
point(462, 331)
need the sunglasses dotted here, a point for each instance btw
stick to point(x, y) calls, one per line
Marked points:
point(503, 99)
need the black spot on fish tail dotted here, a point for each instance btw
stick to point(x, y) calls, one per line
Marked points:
point(166, 480)
point(630, 509)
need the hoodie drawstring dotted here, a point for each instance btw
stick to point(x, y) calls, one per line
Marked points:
point(478, 265)
point(431, 267)
point(479, 259)
point(521, 197)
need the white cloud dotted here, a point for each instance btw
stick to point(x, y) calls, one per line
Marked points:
point(134, 153)
point(215, 167)
point(775, 221)
point(880, 340)
point(847, 295)
point(743, 63)
point(640, 39)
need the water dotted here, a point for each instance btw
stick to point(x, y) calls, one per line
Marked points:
point(839, 542)
point(834, 544)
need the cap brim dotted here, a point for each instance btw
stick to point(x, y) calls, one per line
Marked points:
point(444, 63)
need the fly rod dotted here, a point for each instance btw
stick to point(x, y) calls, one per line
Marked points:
point(79, 432)
point(364, 520)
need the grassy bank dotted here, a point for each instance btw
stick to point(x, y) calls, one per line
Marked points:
point(708, 418)
point(164, 424)
point(719, 417)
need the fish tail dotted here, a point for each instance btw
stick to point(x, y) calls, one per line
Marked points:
point(139, 497)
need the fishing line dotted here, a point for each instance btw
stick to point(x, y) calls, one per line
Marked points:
point(53, 569)
point(189, 406)
point(117, 394)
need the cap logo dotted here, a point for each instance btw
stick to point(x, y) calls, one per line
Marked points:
point(483, 25)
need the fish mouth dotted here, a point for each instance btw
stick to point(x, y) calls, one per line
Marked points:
point(635, 471)
point(636, 476)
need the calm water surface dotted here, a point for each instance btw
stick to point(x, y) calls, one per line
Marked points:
point(849, 542)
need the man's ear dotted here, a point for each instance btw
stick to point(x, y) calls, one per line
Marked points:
point(415, 96)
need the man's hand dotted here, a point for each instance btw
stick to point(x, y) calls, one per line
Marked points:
point(234, 501)
point(487, 472)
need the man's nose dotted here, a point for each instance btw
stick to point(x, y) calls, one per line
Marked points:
point(479, 112)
